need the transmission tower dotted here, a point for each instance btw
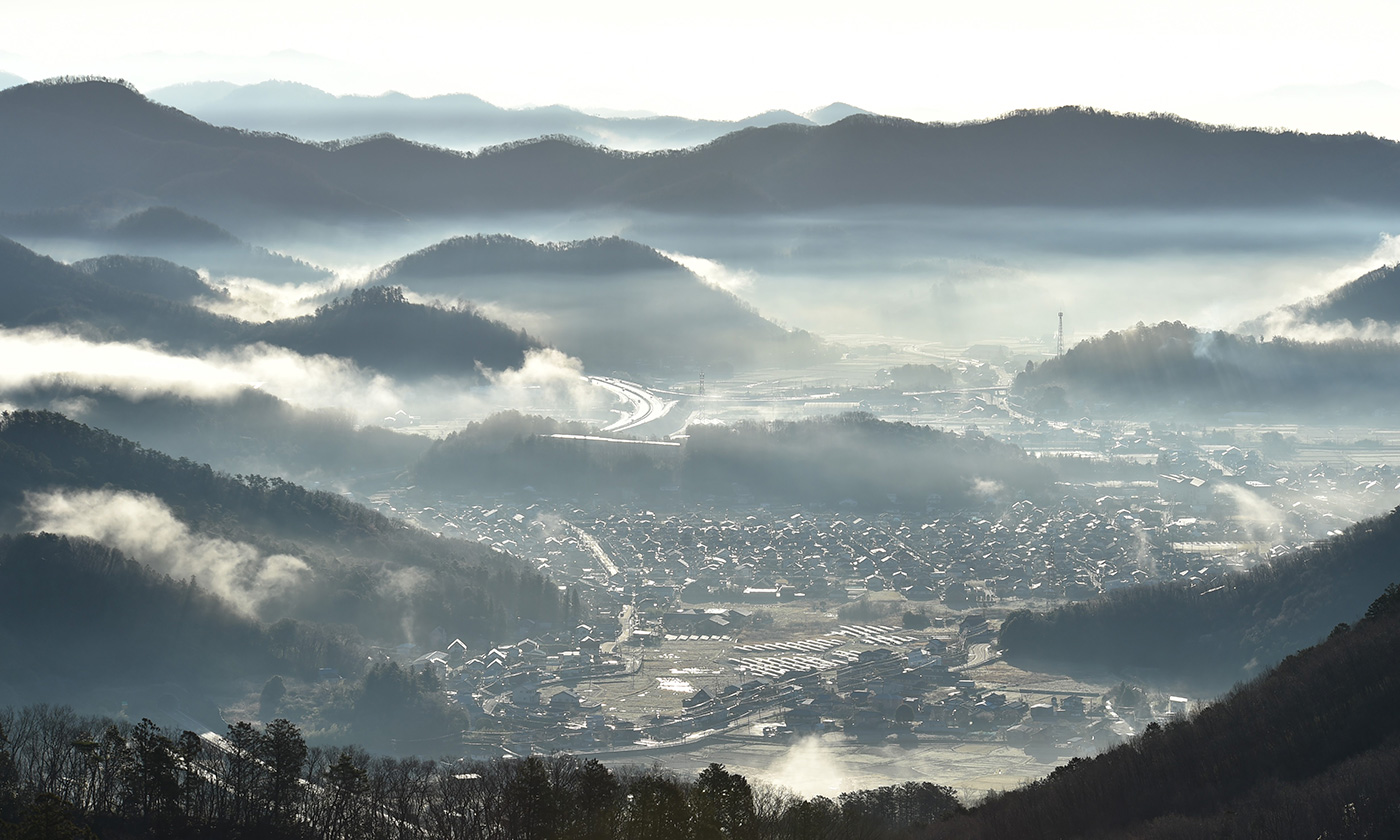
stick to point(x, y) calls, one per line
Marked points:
point(1060, 338)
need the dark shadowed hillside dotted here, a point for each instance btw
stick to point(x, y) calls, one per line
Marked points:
point(1308, 750)
point(74, 610)
point(613, 303)
point(151, 275)
point(1178, 632)
point(378, 328)
point(270, 547)
point(374, 327)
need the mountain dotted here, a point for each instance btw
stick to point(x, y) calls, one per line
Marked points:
point(65, 144)
point(455, 121)
point(375, 328)
point(150, 275)
point(1177, 632)
point(269, 548)
point(378, 328)
point(1307, 750)
point(835, 112)
point(75, 613)
point(1374, 296)
point(609, 301)
point(1203, 373)
point(97, 139)
point(39, 291)
point(165, 232)
point(864, 462)
point(8, 80)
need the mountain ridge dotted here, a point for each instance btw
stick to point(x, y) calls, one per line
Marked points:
point(1066, 157)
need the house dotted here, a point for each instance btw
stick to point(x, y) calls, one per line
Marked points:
point(565, 701)
point(699, 698)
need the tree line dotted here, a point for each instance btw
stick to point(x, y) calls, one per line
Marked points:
point(63, 774)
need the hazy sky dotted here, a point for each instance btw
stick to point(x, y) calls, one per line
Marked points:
point(730, 58)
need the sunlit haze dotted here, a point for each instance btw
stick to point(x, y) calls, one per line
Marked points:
point(1298, 65)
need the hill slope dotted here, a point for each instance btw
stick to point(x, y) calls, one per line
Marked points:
point(1309, 750)
point(1374, 296)
point(1184, 370)
point(374, 327)
point(1176, 632)
point(612, 302)
point(269, 547)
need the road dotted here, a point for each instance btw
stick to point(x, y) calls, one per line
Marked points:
point(646, 406)
point(977, 656)
point(592, 547)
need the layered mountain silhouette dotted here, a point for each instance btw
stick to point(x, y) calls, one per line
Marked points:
point(457, 121)
point(165, 232)
point(611, 302)
point(375, 327)
point(64, 144)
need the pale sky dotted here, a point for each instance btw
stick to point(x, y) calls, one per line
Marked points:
point(1207, 59)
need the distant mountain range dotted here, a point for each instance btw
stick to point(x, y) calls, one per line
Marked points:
point(93, 142)
point(456, 121)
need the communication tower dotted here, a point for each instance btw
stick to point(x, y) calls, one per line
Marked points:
point(1060, 338)
point(702, 383)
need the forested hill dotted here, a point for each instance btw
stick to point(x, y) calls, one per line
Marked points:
point(379, 328)
point(609, 301)
point(864, 462)
point(1189, 370)
point(78, 612)
point(493, 254)
point(1179, 633)
point(375, 327)
point(273, 548)
point(1308, 750)
point(1374, 296)
point(62, 144)
point(150, 275)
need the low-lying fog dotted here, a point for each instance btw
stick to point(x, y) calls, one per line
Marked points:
point(956, 276)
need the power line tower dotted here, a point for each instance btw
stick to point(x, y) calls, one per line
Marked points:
point(1060, 338)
